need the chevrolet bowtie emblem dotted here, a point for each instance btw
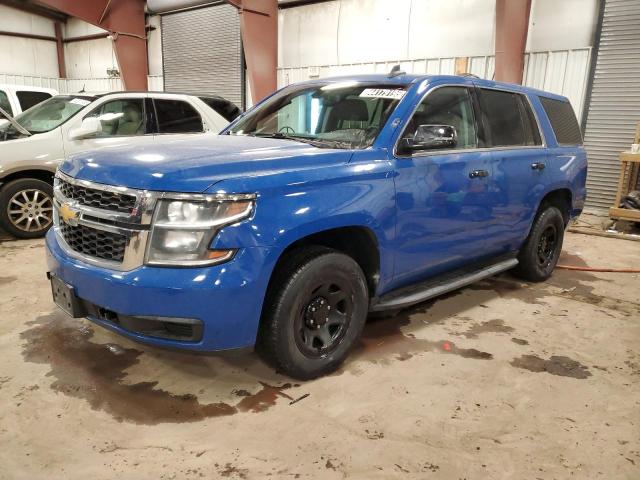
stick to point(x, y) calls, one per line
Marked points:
point(68, 214)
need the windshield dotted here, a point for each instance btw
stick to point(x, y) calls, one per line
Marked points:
point(51, 113)
point(335, 115)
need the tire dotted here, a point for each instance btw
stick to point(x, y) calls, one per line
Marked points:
point(539, 255)
point(26, 208)
point(300, 335)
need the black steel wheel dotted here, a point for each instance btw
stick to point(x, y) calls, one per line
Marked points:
point(539, 255)
point(315, 309)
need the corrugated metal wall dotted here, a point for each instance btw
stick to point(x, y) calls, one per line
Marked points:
point(65, 85)
point(201, 51)
point(564, 71)
point(614, 107)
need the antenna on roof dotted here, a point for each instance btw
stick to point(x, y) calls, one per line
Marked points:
point(466, 74)
point(396, 72)
point(83, 90)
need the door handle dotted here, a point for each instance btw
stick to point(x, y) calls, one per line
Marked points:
point(478, 173)
point(538, 166)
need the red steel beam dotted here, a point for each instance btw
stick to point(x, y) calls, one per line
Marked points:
point(259, 26)
point(512, 25)
point(125, 21)
point(62, 67)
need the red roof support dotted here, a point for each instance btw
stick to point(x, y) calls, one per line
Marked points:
point(259, 26)
point(512, 25)
point(125, 21)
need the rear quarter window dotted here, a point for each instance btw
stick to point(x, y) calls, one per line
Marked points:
point(563, 121)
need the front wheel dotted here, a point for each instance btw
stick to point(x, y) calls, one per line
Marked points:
point(539, 255)
point(315, 310)
point(26, 208)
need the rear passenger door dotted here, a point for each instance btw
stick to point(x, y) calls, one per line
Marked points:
point(176, 116)
point(517, 171)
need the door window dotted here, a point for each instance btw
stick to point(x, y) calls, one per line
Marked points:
point(4, 103)
point(447, 106)
point(122, 117)
point(28, 99)
point(508, 119)
point(177, 116)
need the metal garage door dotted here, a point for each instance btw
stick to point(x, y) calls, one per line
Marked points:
point(614, 108)
point(202, 52)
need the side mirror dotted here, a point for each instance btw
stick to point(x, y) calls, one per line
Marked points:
point(90, 127)
point(428, 137)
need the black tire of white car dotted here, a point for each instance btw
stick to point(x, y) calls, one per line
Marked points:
point(539, 255)
point(314, 312)
point(26, 207)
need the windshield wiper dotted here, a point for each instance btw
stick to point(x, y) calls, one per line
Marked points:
point(296, 138)
point(15, 124)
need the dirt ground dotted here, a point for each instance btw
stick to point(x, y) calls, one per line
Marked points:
point(503, 379)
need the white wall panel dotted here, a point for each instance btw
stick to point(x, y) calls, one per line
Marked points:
point(441, 28)
point(27, 56)
point(562, 24)
point(12, 20)
point(89, 58)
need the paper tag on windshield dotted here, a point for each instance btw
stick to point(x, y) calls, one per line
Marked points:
point(391, 93)
point(80, 101)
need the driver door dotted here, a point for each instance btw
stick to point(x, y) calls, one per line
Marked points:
point(442, 194)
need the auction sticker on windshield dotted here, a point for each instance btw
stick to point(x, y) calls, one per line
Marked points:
point(392, 93)
point(80, 101)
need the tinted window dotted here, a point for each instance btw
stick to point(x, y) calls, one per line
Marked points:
point(176, 116)
point(124, 117)
point(4, 104)
point(29, 99)
point(563, 121)
point(447, 106)
point(225, 108)
point(508, 119)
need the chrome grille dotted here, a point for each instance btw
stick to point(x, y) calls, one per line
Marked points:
point(96, 243)
point(91, 197)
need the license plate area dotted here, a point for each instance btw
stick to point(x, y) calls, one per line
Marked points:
point(64, 297)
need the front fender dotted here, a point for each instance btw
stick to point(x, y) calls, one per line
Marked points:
point(357, 194)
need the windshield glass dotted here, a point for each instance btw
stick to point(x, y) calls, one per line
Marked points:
point(52, 113)
point(335, 115)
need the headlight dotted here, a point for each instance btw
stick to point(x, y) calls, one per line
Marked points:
point(182, 230)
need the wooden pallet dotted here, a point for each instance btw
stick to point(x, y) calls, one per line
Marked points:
point(629, 180)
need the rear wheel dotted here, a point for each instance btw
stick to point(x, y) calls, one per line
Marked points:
point(314, 312)
point(539, 255)
point(26, 208)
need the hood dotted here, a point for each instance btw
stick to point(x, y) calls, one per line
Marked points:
point(193, 164)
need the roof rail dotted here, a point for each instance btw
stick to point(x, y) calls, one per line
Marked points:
point(396, 72)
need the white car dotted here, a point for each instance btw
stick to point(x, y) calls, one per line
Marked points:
point(33, 143)
point(18, 98)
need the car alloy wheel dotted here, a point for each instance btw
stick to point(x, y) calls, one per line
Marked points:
point(30, 210)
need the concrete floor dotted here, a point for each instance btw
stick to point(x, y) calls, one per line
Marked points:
point(500, 380)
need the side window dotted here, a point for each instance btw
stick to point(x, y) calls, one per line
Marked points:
point(28, 99)
point(123, 117)
point(4, 103)
point(563, 121)
point(177, 116)
point(447, 106)
point(509, 119)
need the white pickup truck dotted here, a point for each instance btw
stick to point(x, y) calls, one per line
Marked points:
point(37, 140)
point(18, 98)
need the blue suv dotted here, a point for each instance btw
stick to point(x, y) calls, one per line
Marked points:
point(330, 199)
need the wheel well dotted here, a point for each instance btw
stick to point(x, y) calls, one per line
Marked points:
point(561, 199)
point(44, 175)
point(359, 243)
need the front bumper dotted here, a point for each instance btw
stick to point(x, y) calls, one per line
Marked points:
point(226, 299)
